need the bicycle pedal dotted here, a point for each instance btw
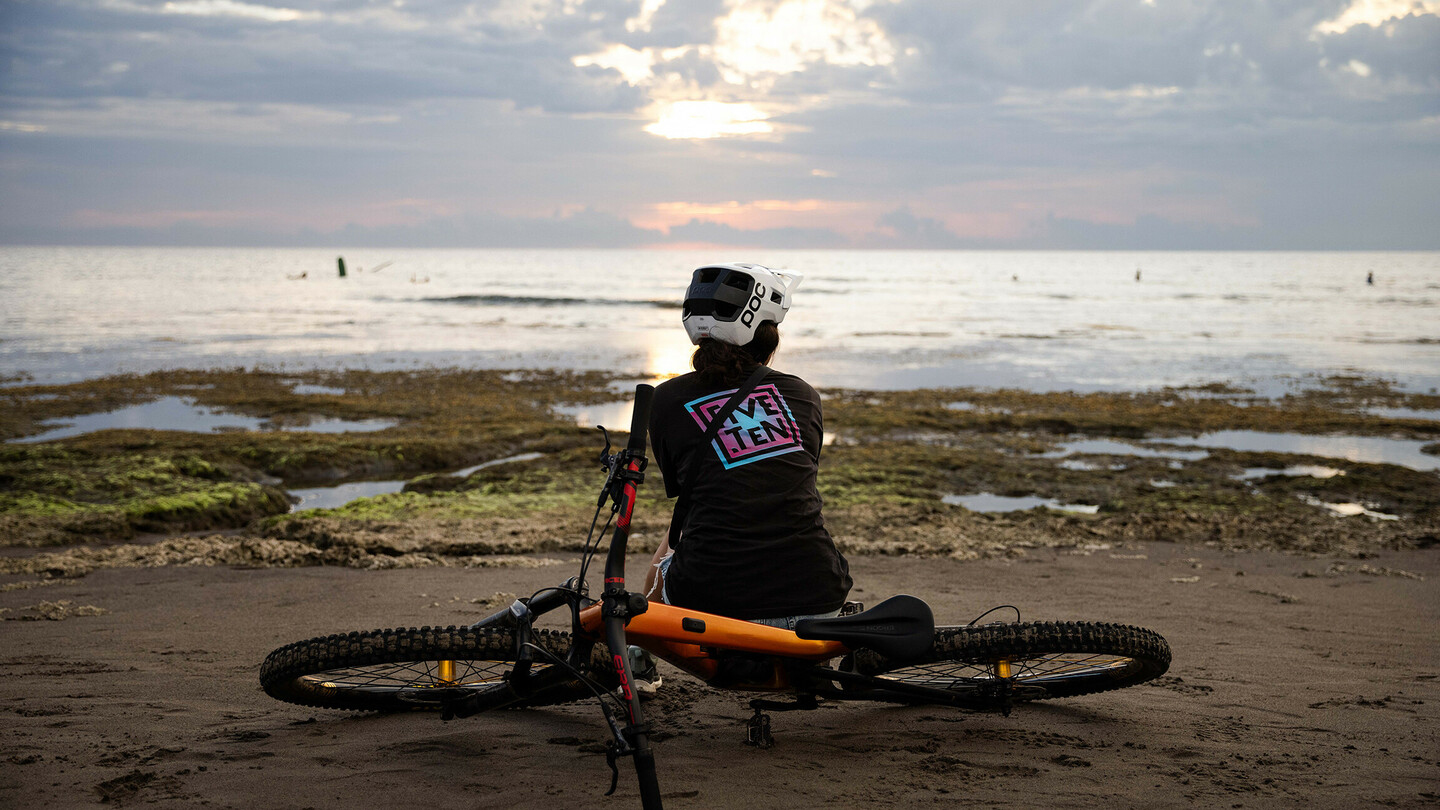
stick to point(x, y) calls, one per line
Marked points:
point(757, 731)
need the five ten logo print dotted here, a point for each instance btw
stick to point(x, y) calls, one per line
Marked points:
point(760, 427)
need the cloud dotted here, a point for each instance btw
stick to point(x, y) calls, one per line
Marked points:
point(1375, 14)
point(901, 228)
point(1402, 51)
point(674, 24)
point(915, 122)
point(233, 8)
point(697, 230)
point(230, 51)
point(586, 228)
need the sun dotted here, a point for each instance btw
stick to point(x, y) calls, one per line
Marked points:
point(709, 119)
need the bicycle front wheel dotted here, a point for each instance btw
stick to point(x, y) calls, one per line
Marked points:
point(1000, 664)
point(408, 669)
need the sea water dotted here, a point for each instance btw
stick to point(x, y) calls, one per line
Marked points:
point(905, 319)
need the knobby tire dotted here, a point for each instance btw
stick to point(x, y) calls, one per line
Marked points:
point(401, 670)
point(1041, 660)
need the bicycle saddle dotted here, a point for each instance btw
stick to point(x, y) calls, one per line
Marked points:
point(900, 627)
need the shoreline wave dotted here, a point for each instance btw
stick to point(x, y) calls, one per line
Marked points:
point(480, 299)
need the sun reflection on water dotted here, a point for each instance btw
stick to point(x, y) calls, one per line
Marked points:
point(668, 355)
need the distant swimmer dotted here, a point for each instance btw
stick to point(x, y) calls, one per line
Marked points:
point(1015, 277)
point(1137, 274)
point(1370, 277)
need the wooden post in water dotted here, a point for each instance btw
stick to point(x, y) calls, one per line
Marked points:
point(341, 260)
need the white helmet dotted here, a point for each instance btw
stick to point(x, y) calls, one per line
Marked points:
point(728, 302)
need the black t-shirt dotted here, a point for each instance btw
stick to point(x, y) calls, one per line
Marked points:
point(754, 545)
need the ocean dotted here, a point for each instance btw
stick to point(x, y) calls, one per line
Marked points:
point(1040, 321)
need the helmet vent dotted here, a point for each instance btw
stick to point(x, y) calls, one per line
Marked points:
point(777, 297)
point(719, 310)
point(709, 274)
point(738, 281)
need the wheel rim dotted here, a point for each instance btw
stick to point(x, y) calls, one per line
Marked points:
point(1036, 670)
point(413, 680)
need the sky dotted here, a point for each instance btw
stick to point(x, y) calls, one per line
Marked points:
point(1066, 124)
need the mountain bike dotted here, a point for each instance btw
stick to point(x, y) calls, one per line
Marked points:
point(892, 652)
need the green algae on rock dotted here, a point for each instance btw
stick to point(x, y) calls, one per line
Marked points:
point(53, 495)
point(899, 455)
point(113, 484)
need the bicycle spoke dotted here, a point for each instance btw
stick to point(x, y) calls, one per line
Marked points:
point(413, 675)
point(1040, 668)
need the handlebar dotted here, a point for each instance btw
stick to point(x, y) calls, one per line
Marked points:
point(640, 419)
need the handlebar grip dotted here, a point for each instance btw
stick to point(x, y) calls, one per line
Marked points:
point(640, 420)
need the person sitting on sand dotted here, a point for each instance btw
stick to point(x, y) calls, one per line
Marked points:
point(747, 539)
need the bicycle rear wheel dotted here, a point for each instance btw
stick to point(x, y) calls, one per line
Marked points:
point(409, 669)
point(1000, 664)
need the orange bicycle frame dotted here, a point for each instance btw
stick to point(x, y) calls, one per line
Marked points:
point(692, 640)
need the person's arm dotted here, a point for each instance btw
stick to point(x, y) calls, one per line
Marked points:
point(654, 581)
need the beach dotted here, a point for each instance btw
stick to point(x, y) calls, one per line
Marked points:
point(1297, 679)
point(323, 319)
point(1241, 463)
point(1285, 546)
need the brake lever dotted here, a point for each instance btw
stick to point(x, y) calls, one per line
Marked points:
point(611, 754)
point(607, 463)
point(605, 457)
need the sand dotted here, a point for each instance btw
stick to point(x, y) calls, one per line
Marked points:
point(1297, 680)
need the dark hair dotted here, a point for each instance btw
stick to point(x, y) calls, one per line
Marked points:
point(724, 364)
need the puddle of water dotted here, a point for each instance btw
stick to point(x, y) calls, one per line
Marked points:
point(328, 424)
point(987, 502)
point(1111, 447)
point(176, 413)
point(306, 389)
point(1347, 509)
point(1088, 466)
point(166, 413)
point(1365, 449)
point(331, 497)
point(522, 457)
point(613, 415)
point(1294, 471)
point(970, 406)
point(341, 494)
point(1406, 413)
